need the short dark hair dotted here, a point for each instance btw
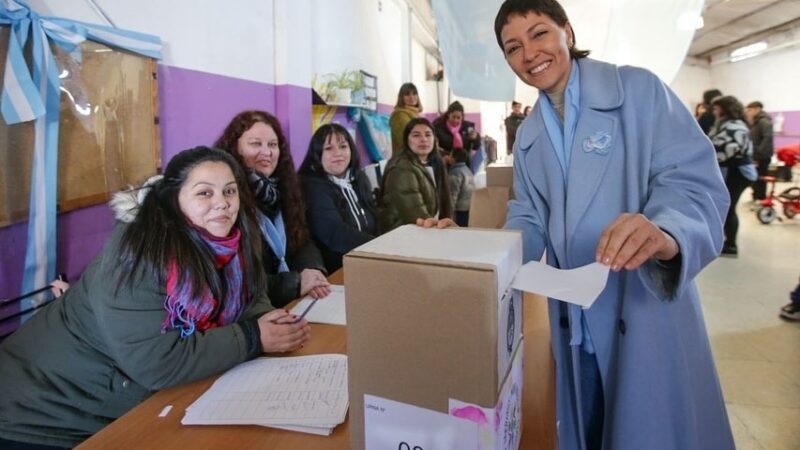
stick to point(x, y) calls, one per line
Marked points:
point(710, 95)
point(312, 163)
point(549, 8)
point(460, 155)
point(755, 104)
point(732, 108)
point(515, 103)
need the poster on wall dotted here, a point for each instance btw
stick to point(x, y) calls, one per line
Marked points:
point(355, 88)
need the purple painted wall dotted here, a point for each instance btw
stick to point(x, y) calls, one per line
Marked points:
point(791, 128)
point(194, 109)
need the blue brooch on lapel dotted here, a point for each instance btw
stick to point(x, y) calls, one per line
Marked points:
point(599, 142)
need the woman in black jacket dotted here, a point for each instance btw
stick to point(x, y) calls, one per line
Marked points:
point(340, 209)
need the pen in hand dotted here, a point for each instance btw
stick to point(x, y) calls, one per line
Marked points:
point(298, 319)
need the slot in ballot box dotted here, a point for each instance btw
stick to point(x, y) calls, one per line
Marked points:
point(433, 327)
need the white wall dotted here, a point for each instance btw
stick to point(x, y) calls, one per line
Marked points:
point(693, 78)
point(362, 34)
point(202, 35)
point(772, 78)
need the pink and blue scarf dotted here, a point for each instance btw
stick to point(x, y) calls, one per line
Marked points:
point(189, 314)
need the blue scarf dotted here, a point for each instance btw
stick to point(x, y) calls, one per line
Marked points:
point(275, 235)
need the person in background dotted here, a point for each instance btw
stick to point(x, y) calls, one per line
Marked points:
point(633, 371)
point(452, 131)
point(763, 147)
point(407, 107)
point(415, 184)
point(707, 119)
point(293, 263)
point(527, 111)
point(791, 311)
point(177, 294)
point(341, 213)
point(699, 110)
point(513, 122)
point(731, 139)
point(462, 184)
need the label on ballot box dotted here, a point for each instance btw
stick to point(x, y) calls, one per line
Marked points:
point(389, 424)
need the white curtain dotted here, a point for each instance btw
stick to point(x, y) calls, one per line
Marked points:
point(654, 34)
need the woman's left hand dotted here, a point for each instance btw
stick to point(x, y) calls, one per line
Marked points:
point(631, 240)
point(314, 283)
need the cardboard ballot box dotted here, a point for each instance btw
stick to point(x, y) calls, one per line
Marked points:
point(432, 324)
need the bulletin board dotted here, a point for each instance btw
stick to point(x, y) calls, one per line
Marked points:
point(108, 137)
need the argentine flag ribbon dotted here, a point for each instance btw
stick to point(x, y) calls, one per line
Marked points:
point(35, 95)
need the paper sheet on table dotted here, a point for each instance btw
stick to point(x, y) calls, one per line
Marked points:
point(580, 286)
point(327, 310)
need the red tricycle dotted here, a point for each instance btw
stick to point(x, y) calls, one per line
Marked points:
point(789, 198)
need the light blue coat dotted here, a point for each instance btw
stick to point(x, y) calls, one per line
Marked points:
point(659, 380)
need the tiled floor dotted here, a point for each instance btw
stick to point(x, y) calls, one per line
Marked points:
point(757, 353)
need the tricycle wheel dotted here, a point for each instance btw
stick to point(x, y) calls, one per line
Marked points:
point(766, 215)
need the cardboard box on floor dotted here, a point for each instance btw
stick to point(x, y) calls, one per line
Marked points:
point(488, 206)
point(430, 318)
point(499, 175)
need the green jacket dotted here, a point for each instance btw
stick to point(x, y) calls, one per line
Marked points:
point(408, 192)
point(398, 121)
point(92, 355)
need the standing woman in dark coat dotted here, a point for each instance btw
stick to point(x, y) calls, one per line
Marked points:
point(731, 138)
point(452, 131)
point(293, 263)
point(340, 210)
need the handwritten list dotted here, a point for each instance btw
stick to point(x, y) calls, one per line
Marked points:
point(303, 393)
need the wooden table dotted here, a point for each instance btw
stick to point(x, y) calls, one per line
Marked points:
point(141, 428)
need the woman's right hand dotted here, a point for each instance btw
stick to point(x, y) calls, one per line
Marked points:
point(282, 332)
point(430, 222)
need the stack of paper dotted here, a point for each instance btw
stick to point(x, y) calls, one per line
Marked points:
point(303, 393)
point(330, 309)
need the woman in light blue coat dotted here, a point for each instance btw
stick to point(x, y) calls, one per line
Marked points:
point(611, 167)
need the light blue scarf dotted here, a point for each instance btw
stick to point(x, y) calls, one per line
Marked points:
point(275, 235)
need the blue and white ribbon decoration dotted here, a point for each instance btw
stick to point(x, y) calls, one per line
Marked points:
point(36, 96)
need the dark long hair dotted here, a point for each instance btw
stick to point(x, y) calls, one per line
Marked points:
point(549, 8)
point(291, 197)
point(732, 108)
point(456, 106)
point(312, 163)
point(161, 235)
point(435, 160)
point(407, 88)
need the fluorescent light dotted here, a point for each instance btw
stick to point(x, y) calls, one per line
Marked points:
point(748, 51)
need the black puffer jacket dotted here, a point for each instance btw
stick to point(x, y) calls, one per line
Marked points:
point(336, 227)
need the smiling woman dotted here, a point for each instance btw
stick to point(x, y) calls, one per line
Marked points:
point(341, 214)
point(292, 261)
point(178, 294)
point(634, 370)
point(210, 198)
